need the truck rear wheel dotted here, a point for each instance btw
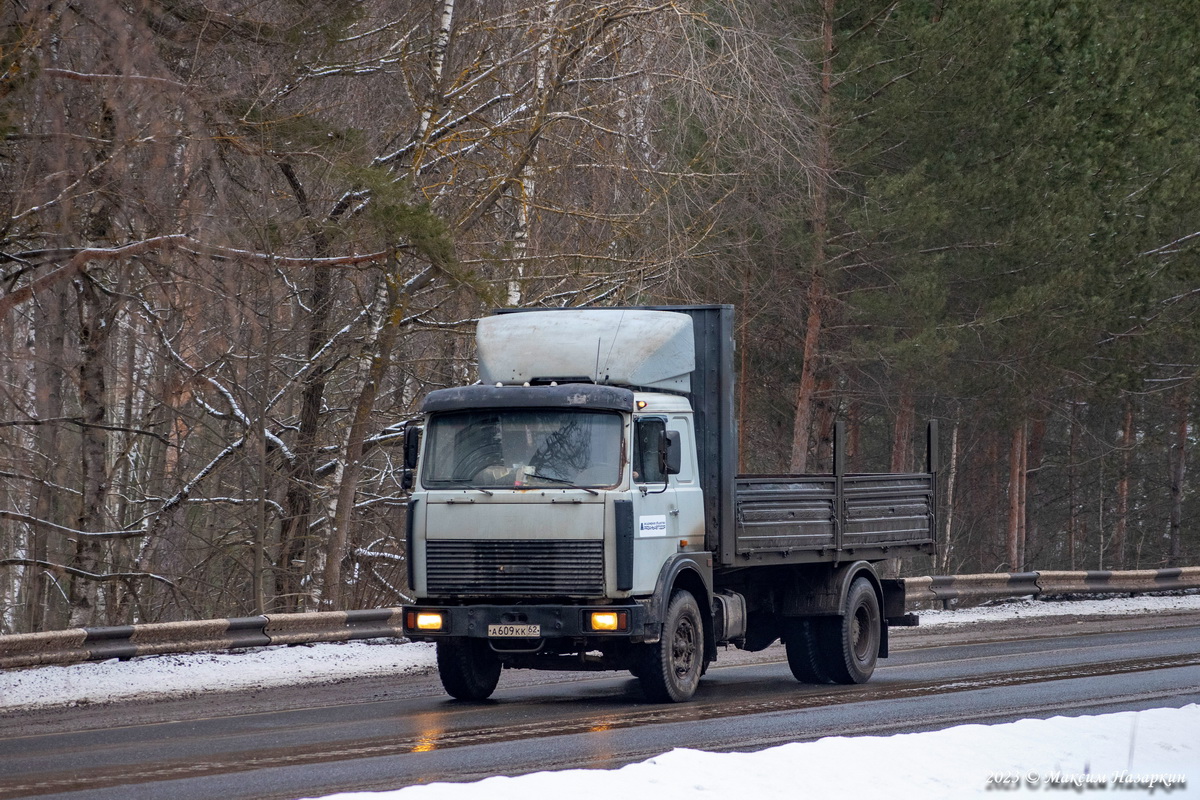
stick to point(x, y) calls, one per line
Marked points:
point(468, 668)
point(671, 668)
point(803, 640)
point(851, 647)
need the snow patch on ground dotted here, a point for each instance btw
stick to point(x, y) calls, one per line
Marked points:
point(1130, 754)
point(1029, 607)
point(189, 674)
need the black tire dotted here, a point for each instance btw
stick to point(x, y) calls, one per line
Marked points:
point(851, 645)
point(803, 641)
point(468, 668)
point(671, 668)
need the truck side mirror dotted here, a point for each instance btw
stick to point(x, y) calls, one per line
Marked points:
point(412, 446)
point(670, 453)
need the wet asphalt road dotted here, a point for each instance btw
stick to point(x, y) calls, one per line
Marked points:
point(371, 735)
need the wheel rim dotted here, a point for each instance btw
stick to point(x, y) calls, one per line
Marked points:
point(683, 648)
point(860, 633)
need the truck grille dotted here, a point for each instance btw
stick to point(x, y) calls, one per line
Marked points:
point(523, 568)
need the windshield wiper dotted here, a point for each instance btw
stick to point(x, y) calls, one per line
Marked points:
point(566, 483)
point(466, 485)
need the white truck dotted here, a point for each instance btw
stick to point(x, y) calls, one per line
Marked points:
point(579, 508)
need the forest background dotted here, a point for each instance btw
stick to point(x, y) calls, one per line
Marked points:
point(239, 239)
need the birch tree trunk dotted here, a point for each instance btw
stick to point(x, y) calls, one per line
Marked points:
point(526, 186)
point(951, 482)
point(49, 499)
point(1117, 545)
point(377, 359)
point(1023, 494)
point(1072, 482)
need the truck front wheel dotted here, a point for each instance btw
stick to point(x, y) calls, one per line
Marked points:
point(468, 668)
point(671, 668)
point(852, 645)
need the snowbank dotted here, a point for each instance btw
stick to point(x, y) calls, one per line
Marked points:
point(1129, 754)
point(1027, 608)
point(192, 673)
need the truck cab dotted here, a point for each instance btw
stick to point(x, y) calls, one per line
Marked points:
point(547, 502)
point(561, 471)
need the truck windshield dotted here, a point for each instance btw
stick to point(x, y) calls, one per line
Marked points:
point(523, 448)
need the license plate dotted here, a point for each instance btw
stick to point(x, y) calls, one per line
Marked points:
point(517, 631)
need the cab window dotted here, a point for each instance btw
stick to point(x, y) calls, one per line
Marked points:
point(646, 467)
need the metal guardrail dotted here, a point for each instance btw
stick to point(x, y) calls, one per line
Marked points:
point(98, 644)
point(974, 587)
point(1049, 583)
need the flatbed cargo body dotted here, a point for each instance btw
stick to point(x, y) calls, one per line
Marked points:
point(804, 519)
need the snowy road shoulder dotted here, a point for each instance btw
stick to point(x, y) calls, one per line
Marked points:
point(1030, 608)
point(191, 674)
point(1133, 754)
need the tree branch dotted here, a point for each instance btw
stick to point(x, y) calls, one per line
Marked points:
point(80, 258)
point(51, 526)
point(93, 77)
point(79, 573)
point(77, 263)
point(79, 421)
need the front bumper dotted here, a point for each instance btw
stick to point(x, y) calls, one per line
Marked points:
point(553, 621)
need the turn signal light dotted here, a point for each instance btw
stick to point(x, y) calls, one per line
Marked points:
point(608, 620)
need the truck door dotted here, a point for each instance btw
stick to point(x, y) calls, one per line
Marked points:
point(655, 506)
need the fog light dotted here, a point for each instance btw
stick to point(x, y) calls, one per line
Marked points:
point(429, 621)
point(604, 620)
point(608, 620)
